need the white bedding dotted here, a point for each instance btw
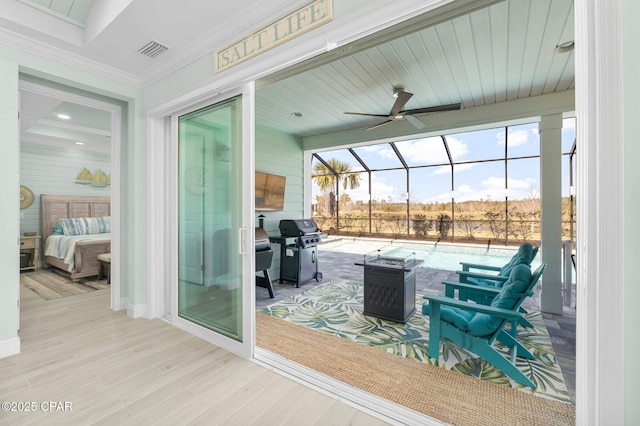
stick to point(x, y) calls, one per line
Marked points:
point(64, 246)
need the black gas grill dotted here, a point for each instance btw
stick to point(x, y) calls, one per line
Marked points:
point(308, 233)
point(264, 256)
point(299, 239)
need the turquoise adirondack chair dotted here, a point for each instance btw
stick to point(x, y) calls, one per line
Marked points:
point(495, 276)
point(476, 327)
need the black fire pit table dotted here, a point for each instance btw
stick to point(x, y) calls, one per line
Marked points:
point(390, 284)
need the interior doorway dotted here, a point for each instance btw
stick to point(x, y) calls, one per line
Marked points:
point(66, 136)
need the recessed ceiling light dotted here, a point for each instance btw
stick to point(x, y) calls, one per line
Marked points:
point(79, 143)
point(63, 116)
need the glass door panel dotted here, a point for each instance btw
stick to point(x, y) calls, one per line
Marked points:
point(209, 219)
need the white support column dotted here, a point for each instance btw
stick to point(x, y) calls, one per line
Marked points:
point(551, 211)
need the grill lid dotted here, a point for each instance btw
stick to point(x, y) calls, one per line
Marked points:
point(262, 240)
point(298, 227)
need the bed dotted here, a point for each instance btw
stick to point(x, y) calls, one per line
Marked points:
point(74, 254)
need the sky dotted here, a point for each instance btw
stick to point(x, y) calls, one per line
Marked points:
point(479, 181)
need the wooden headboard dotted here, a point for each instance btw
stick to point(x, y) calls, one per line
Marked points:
point(55, 207)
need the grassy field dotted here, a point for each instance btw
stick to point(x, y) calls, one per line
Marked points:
point(501, 222)
point(436, 228)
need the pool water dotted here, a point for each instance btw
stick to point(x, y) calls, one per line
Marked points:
point(444, 256)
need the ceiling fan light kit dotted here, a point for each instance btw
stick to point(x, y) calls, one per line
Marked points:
point(397, 112)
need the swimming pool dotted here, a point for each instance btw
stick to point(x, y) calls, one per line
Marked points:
point(445, 256)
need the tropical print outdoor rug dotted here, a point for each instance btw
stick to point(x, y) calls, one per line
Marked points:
point(336, 308)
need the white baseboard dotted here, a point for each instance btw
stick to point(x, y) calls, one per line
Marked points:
point(9, 347)
point(137, 311)
point(124, 302)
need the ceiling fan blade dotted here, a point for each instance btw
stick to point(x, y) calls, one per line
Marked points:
point(367, 115)
point(403, 98)
point(380, 124)
point(438, 108)
point(415, 121)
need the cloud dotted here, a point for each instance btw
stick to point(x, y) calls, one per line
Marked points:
point(457, 148)
point(414, 151)
point(442, 170)
point(418, 151)
point(516, 137)
point(518, 184)
point(381, 150)
point(491, 188)
point(569, 123)
point(493, 182)
point(443, 197)
point(458, 168)
point(463, 167)
point(380, 190)
point(464, 189)
point(461, 193)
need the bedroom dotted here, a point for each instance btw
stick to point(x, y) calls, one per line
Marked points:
point(65, 170)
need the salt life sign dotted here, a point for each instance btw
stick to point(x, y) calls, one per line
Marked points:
point(315, 14)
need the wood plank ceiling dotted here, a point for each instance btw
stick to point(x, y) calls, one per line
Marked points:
point(503, 52)
point(75, 12)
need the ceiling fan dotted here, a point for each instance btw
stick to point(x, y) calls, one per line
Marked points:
point(397, 113)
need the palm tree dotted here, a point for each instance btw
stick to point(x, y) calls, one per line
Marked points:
point(327, 181)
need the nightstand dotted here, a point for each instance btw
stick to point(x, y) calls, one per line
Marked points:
point(31, 242)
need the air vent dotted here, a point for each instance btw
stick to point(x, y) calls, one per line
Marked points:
point(152, 49)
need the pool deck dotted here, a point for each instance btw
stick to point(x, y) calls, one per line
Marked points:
point(339, 264)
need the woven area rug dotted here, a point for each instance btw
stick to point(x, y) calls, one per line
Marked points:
point(53, 285)
point(335, 308)
point(450, 397)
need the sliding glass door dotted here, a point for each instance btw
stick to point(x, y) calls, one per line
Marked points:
point(211, 227)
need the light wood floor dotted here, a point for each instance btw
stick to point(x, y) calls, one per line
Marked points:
point(115, 370)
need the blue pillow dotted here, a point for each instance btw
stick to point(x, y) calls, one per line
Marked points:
point(526, 250)
point(57, 229)
point(524, 256)
point(86, 225)
point(483, 282)
point(510, 294)
point(478, 324)
point(456, 316)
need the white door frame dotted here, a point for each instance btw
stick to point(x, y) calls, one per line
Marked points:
point(163, 298)
point(116, 141)
point(601, 249)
